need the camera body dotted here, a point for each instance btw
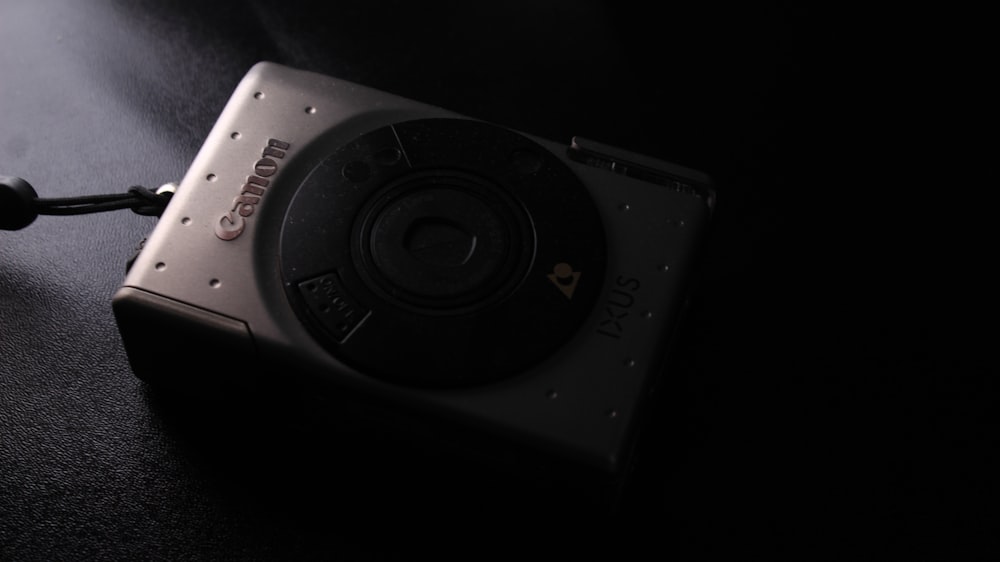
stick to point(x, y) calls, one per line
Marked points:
point(423, 266)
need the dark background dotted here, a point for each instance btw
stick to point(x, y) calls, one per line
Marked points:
point(828, 400)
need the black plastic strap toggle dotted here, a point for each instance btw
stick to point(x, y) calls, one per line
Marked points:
point(17, 203)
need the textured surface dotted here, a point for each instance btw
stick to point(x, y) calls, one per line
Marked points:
point(815, 410)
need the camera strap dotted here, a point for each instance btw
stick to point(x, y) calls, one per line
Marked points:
point(20, 204)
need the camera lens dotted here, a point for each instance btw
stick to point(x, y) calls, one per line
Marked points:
point(442, 252)
point(442, 241)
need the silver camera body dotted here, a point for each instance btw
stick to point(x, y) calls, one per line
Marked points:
point(420, 265)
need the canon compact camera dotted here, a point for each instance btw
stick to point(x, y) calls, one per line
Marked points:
point(515, 292)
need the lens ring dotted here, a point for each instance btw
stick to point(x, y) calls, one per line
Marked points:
point(359, 314)
point(443, 242)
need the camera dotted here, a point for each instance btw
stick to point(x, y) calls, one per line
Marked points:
point(443, 275)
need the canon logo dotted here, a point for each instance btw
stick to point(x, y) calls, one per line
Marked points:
point(233, 223)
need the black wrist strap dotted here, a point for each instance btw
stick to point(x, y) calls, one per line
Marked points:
point(20, 204)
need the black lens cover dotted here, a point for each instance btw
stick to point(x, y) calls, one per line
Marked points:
point(442, 252)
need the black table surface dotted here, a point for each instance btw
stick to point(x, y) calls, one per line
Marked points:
point(826, 404)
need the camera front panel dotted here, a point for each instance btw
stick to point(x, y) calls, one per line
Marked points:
point(433, 265)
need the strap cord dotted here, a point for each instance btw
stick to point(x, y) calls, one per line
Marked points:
point(20, 204)
point(141, 200)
